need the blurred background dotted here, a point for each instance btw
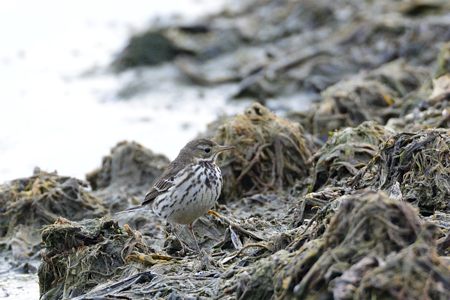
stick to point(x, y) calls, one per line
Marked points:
point(79, 77)
point(61, 106)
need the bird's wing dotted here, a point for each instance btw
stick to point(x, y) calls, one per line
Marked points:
point(162, 183)
point(157, 189)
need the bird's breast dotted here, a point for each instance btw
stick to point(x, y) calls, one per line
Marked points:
point(195, 190)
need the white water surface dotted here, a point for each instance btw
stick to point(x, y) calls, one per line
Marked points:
point(58, 107)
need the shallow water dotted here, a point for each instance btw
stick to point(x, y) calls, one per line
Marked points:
point(19, 286)
point(56, 116)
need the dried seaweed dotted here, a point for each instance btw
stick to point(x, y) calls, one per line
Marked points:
point(416, 272)
point(347, 151)
point(78, 256)
point(429, 107)
point(304, 227)
point(29, 203)
point(128, 171)
point(419, 163)
point(374, 96)
point(271, 153)
point(367, 230)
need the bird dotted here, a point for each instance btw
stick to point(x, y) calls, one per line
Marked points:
point(189, 186)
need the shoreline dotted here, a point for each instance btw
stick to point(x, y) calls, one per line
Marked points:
point(330, 201)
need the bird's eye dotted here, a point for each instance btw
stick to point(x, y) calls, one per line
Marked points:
point(207, 150)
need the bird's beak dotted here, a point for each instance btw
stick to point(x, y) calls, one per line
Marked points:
point(224, 148)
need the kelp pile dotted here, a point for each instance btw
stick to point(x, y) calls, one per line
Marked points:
point(126, 173)
point(271, 152)
point(429, 107)
point(27, 204)
point(78, 256)
point(419, 163)
point(346, 152)
point(347, 240)
point(376, 96)
point(275, 48)
point(366, 216)
point(370, 234)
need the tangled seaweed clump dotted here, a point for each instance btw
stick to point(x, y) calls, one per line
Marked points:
point(375, 96)
point(430, 106)
point(27, 204)
point(368, 234)
point(346, 152)
point(271, 152)
point(79, 256)
point(127, 171)
point(418, 163)
point(365, 216)
point(128, 164)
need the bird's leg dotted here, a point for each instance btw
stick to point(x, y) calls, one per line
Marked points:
point(184, 246)
point(193, 235)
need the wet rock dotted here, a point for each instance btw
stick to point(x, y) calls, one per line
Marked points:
point(159, 45)
point(271, 153)
point(146, 49)
point(128, 171)
point(419, 163)
point(29, 203)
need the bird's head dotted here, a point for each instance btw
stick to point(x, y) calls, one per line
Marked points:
point(203, 149)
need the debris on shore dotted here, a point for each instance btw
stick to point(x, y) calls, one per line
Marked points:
point(271, 153)
point(27, 204)
point(126, 173)
point(349, 199)
point(77, 256)
point(419, 163)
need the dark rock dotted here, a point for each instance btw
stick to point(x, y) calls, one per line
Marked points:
point(146, 49)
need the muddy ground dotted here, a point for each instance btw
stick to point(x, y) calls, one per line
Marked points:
point(347, 200)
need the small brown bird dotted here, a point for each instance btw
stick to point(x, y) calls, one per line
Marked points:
point(190, 185)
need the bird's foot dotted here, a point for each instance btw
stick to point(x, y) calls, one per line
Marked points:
point(214, 214)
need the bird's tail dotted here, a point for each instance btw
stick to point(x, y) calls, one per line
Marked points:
point(134, 208)
point(130, 209)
